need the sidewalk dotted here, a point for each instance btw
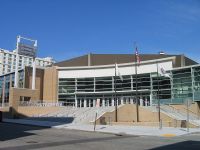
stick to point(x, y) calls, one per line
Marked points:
point(114, 129)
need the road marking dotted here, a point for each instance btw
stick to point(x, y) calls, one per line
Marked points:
point(168, 135)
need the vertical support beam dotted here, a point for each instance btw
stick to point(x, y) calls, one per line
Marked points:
point(94, 84)
point(80, 102)
point(151, 92)
point(33, 74)
point(192, 79)
point(17, 63)
point(131, 100)
point(141, 101)
point(75, 84)
point(131, 83)
point(103, 102)
point(89, 59)
point(113, 102)
point(172, 85)
point(122, 102)
point(94, 103)
point(85, 103)
point(34, 69)
point(146, 102)
point(76, 103)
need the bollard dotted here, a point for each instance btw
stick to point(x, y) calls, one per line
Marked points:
point(160, 126)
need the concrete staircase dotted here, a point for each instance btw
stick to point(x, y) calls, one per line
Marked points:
point(74, 115)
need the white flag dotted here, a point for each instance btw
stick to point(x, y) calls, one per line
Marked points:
point(118, 72)
point(162, 72)
point(64, 90)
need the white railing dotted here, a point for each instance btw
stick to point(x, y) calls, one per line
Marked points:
point(40, 104)
point(4, 105)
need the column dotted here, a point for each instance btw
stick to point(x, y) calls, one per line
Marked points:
point(141, 101)
point(150, 99)
point(33, 73)
point(113, 102)
point(16, 71)
point(94, 103)
point(76, 103)
point(80, 103)
point(122, 102)
point(85, 103)
point(146, 102)
point(131, 100)
point(103, 102)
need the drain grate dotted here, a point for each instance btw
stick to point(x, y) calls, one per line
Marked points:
point(32, 142)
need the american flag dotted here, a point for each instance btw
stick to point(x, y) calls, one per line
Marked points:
point(137, 55)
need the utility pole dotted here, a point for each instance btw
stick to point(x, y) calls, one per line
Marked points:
point(158, 98)
point(116, 119)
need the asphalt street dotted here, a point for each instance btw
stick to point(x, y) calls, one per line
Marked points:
point(22, 137)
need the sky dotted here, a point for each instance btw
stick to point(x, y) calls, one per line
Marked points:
point(70, 28)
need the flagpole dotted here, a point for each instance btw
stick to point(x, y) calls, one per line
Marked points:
point(136, 95)
point(115, 94)
point(158, 97)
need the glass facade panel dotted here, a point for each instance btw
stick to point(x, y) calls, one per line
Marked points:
point(85, 85)
point(182, 85)
point(66, 86)
point(103, 84)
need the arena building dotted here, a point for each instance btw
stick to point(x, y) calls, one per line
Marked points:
point(80, 81)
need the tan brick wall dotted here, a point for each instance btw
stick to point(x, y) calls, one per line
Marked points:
point(50, 84)
point(14, 97)
point(38, 80)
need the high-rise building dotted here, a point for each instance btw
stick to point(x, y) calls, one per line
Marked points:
point(8, 61)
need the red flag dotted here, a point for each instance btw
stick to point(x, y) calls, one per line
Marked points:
point(137, 56)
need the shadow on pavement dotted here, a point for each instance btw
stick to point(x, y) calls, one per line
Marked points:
point(185, 145)
point(61, 143)
point(12, 131)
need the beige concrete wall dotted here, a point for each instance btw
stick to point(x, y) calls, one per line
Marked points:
point(29, 111)
point(50, 84)
point(127, 115)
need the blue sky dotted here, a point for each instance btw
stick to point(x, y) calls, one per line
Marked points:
point(70, 28)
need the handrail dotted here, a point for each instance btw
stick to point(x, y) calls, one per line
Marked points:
point(190, 111)
point(179, 110)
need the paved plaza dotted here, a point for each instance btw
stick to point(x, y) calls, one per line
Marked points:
point(23, 137)
point(113, 129)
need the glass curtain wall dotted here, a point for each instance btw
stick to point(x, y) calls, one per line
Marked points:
point(182, 85)
point(6, 82)
point(68, 87)
point(185, 83)
point(196, 83)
